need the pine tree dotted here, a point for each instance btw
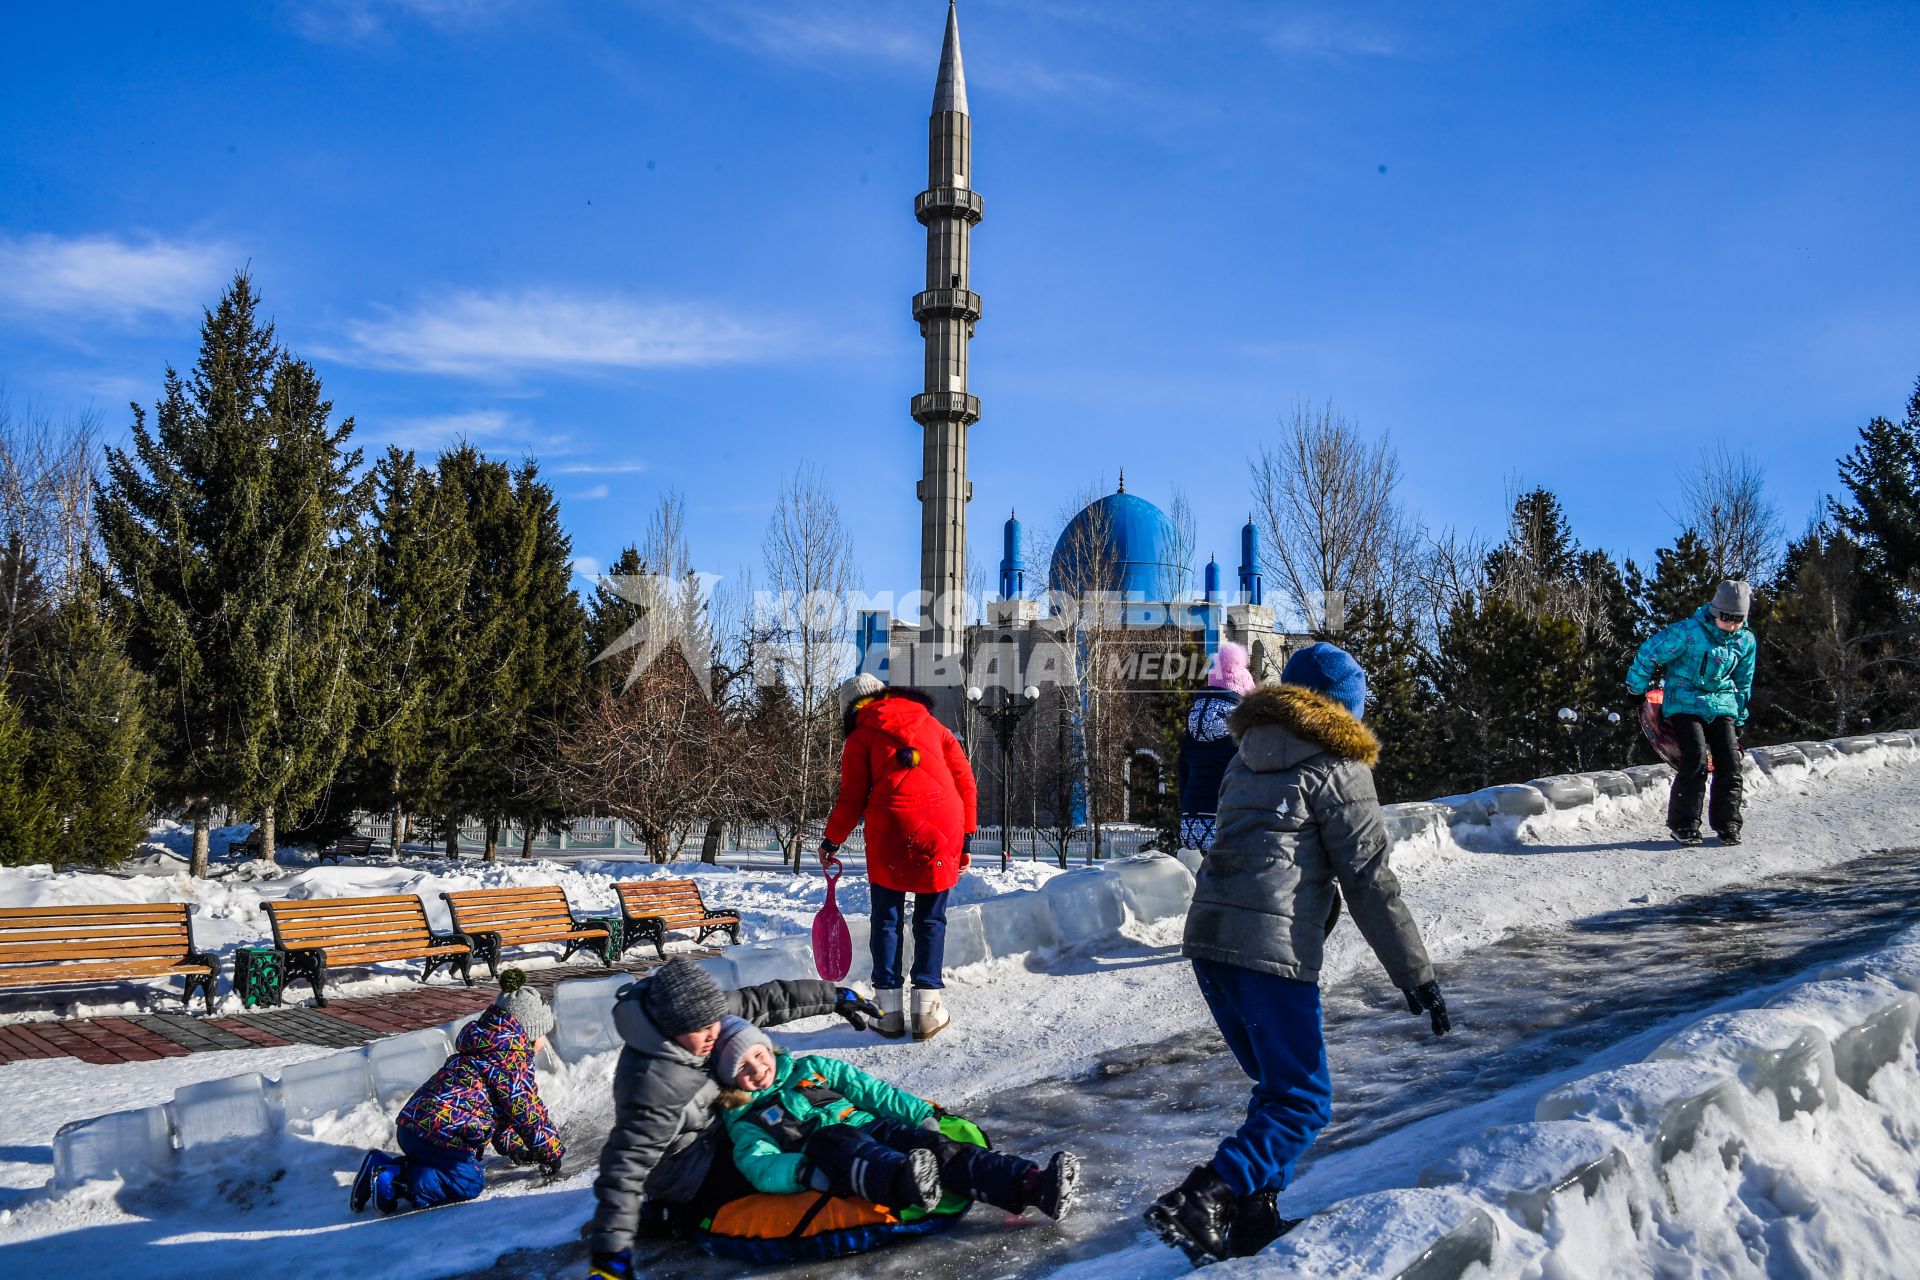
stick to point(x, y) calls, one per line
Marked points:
point(93, 744)
point(1540, 560)
point(552, 653)
point(611, 617)
point(1883, 476)
point(1683, 580)
point(1402, 709)
point(26, 826)
point(1502, 676)
point(233, 534)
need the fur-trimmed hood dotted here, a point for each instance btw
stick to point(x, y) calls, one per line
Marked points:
point(1280, 725)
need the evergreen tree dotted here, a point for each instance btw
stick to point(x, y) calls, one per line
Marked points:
point(1883, 476)
point(93, 746)
point(1502, 675)
point(1402, 709)
point(1683, 580)
point(610, 618)
point(26, 826)
point(552, 654)
point(233, 534)
point(1540, 560)
point(422, 558)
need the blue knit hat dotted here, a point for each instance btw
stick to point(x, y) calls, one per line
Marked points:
point(1329, 669)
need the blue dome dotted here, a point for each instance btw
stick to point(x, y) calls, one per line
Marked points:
point(1139, 559)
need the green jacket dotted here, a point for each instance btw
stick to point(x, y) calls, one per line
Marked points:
point(1709, 672)
point(769, 1127)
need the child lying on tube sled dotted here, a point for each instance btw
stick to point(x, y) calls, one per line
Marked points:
point(814, 1123)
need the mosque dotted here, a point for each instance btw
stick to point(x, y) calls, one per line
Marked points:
point(1114, 640)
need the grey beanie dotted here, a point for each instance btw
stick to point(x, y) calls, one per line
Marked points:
point(525, 1004)
point(682, 997)
point(737, 1036)
point(861, 686)
point(1733, 598)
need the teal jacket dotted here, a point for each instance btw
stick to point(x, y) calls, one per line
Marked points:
point(768, 1128)
point(1709, 672)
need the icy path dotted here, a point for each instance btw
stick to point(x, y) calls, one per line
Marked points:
point(1020, 1032)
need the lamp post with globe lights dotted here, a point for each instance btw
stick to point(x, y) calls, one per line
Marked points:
point(1003, 717)
point(1584, 736)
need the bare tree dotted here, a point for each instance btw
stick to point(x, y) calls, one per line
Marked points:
point(1086, 625)
point(1185, 541)
point(1725, 502)
point(1324, 501)
point(47, 536)
point(802, 625)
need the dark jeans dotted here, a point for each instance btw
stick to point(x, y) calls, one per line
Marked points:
point(929, 937)
point(973, 1173)
point(436, 1175)
point(1701, 740)
point(1272, 1024)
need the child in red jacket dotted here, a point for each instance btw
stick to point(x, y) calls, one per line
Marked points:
point(484, 1095)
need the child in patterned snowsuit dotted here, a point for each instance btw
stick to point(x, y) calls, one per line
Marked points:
point(820, 1124)
point(484, 1095)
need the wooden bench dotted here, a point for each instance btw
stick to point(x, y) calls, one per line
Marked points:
point(317, 934)
point(653, 908)
point(54, 946)
point(496, 918)
point(346, 847)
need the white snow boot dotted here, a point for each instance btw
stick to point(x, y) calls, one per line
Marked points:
point(930, 1017)
point(893, 1022)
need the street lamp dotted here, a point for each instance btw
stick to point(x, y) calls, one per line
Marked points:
point(1583, 740)
point(1003, 718)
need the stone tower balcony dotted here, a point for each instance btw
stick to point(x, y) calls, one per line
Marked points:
point(946, 304)
point(945, 406)
point(948, 202)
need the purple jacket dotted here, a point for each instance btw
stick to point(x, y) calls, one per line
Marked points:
point(485, 1093)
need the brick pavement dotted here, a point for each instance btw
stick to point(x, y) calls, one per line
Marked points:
point(345, 1022)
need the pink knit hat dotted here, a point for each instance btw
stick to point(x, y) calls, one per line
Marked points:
point(1231, 669)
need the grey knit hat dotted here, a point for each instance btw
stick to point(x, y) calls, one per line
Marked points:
point(682, 997)
point(525, 1004)
point(861, 686)
point(1732, 599)
point(737, 1037)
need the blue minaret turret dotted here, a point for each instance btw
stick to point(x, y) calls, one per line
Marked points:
point(1249, 564)
point(1212, 580)
point(1013, 577)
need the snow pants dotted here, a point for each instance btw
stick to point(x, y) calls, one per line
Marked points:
point(929, 937)
point(1272, 1025)
point(436, 1175)
point(973, 1173)
point(1701, 740)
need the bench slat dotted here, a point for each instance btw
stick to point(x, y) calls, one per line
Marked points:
point(12, 917)
point(22, 976)
point(12, 952)
point(337, 956)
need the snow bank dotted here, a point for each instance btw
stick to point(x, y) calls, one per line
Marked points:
point(1741, 1146)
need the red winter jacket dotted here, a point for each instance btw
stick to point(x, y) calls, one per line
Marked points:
point(904, 773)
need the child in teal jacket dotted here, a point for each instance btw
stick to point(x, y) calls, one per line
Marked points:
point(820, 1124)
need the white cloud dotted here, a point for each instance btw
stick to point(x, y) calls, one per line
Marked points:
point(104, 276)
point(358, 21)
point(598, 469)
point(587, 567)
point(1329, 34)
point(594, 494)
point(507, 333)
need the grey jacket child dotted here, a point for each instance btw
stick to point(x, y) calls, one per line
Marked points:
point(1300, 827)
point(663, 1105)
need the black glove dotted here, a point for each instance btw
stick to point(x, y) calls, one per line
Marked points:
point(827, 849)
point(855, 1008)
point(1425, 998)
point(549, 1170)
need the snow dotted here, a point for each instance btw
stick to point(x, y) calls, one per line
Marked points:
point(1832, 1186)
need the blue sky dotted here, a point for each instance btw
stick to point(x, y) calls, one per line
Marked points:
point(670, 244)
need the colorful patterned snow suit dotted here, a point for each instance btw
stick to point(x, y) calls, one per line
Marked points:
point(486, 1094)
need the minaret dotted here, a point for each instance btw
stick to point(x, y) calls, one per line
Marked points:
point(946, 310)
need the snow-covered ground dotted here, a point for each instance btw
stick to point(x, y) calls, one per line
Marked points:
point(1018, 1023)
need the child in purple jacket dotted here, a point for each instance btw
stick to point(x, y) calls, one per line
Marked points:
point(484, 1095)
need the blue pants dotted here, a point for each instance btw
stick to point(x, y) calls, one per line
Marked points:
point(1272, 1025)
point(929, 937)
point(436, 1175)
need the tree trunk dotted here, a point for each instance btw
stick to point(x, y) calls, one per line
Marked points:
point(202, 832)
point(526, 841)
point(492, 852)
point(710, 846)
point(453, 837)
point(268, 847)
point(394, 820)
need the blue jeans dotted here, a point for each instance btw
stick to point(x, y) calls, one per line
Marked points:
point(929, 937)
point(1272, 1024)
point(439, 1175)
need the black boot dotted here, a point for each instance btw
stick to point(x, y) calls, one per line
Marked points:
point(1196, 1216)
point(1050, 1190)
point(1730, 836)
point(1687, 836)
point(1256, 1224)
